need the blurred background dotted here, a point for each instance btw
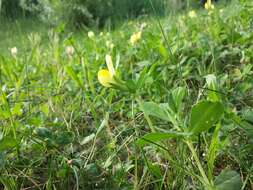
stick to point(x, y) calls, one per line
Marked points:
point(95, 13)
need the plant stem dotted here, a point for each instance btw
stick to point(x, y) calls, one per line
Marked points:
point(136, 150)
point(206, 181)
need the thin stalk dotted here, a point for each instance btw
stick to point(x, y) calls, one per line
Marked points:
point(136, 150)
point(207, 184)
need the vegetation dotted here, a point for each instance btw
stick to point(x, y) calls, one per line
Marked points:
point(80, 12)
point(154, 104)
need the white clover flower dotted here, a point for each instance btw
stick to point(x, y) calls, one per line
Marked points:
point(69, 50)
point(14, 51)
point(91, 34)
point(143, 25)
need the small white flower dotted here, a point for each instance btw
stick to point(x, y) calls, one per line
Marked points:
point(111, 46)
point(143, 25)
point(91, 34)
point(4, 88)
point(69, 50)
point(14, 51)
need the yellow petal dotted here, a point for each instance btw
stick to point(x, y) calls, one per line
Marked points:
point(105, 78)
point(206, 6)
point(135, 37)
point(209, 5)
point(108, 60)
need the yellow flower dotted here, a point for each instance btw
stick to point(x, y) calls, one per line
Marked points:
point(108, 60)
point(105, 76)
point(192, 14)
point(91, 34)
point(209, 5)
point(135, 37)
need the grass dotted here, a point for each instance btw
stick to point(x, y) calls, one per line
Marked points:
point(15, 33)
point(178, 117)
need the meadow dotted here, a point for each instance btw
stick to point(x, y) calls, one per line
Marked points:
point(156, 103)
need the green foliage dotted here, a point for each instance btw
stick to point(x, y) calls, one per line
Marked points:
point(151, 108)
point(228, 180)
point(204, 115)
point(10, 9)
point(81, 12)
point(176, 119)
point(154, 137)
point(8, 143)
point(100, 12)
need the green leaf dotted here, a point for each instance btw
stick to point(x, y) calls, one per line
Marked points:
point(142, 78)
point(87, 139)
point(62, 173)
point(228, 180)
point(212, 150)
point(155, 137)
point(204, 115)
point(176, 98)
point(155, 170)
point(74, 76)
point(131, 85)
point(17, 110)
point(211, 82)
point(153, 109)
point(163, 51)
point(248, 128)
point(43, 132)
point(8, 143)
point(246, 123)
point(64, 138)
